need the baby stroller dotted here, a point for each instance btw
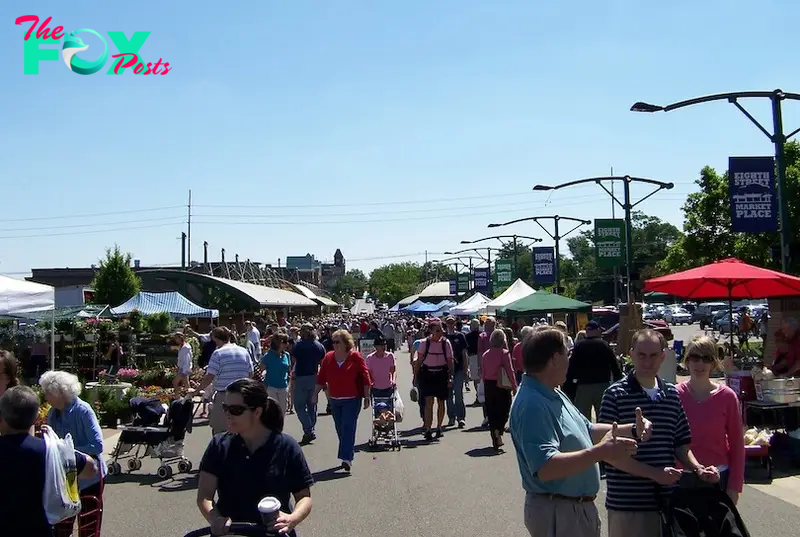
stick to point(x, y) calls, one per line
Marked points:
point(704, 511)
point(146, 438)
point(384, 423)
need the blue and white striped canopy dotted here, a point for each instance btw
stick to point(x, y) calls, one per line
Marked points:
point(173, 303)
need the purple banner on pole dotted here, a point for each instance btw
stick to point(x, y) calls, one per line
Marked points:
point(754, 205)
point(480, 277)
point(544, 265)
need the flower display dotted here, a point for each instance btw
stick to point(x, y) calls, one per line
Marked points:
point(41, 419)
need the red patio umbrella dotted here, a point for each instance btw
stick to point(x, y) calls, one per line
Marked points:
point(729, 278)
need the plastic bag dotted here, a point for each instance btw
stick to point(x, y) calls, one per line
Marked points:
point(399, 407)
point(61, 497)
point(481, 393)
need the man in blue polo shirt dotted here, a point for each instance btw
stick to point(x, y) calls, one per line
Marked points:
point(22, 465)
point(557, 447)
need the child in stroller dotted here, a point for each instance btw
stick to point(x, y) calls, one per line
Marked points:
point(145, 437)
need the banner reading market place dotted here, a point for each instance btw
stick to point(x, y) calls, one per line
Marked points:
point(544, 265)
point(754, 205)
point(463, 282)
point(503, 275)
point(609, 242)
point(481, 278)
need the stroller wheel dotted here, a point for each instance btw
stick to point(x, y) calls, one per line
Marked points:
point(138, 464)
point(184, 466)
point(112, 469)
point(164, 472)
point(132, 466)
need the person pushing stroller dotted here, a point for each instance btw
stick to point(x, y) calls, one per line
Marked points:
point(382, 370)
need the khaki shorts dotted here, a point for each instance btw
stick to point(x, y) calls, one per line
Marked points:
point(474, 367)
point(634, 523)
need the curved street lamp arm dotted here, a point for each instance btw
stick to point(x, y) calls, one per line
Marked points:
point(535, 218)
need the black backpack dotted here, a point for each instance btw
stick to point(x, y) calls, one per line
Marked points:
point(428, 346)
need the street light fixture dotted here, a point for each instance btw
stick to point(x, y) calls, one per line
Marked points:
point(555, 236)
point(514, 240)
point(626, 205)
point(776, 137)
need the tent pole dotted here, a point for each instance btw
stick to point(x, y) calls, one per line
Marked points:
point(730, 316)
point(53, 340)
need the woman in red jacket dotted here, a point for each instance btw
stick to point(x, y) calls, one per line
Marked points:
point(344, 372)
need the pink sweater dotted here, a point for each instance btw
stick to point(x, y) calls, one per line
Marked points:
point(717, 432)
point(491, 362)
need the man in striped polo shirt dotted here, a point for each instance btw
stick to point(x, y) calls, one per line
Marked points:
point(228, 363)
point(636, 486)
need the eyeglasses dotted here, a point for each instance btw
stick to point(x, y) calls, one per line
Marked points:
point(234, 410)
point(700, 358)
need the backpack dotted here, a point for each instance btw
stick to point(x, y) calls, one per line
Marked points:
point(428, 346)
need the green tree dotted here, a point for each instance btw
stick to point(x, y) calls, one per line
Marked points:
point(433, 270)
point(352, 284)
point(115, 281)
point(395, 281)
point(707, 224)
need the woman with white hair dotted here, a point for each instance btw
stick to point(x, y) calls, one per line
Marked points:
point(71, 415)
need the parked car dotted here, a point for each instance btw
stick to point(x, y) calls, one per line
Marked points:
point(677, 315)
point(704, 314)
point(663, 328)
point(605, 317)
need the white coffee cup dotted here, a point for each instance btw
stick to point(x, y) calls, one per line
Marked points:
point(269, 508)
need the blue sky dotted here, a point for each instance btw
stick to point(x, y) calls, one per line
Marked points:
point(369, 126)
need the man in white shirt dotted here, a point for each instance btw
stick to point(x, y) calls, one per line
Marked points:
point(254, 336)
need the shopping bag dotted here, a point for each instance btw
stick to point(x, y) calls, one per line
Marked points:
point(399, 407)
point(61, 497)
point(481, 393)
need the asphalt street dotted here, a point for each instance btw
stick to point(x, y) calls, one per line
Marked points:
point(450, 488)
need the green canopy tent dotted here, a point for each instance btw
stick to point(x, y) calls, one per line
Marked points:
point(544, 302)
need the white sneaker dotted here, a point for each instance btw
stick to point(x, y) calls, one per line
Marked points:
point(347, 466)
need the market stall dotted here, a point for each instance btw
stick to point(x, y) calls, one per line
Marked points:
point(19, 298)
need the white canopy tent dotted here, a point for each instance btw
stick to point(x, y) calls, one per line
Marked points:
point(19, 297)
point(519, 289)
point(472, 305)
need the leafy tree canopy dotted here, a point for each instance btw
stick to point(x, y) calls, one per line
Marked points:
point(115, 281)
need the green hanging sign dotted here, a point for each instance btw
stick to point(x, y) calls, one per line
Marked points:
point(609, 242)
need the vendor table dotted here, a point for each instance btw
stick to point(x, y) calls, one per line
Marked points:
point(765, 414)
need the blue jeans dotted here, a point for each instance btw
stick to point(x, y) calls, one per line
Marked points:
point(304, 388)
point(345, 418)
point(455, 400)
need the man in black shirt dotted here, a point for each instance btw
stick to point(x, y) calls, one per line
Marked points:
point(593, 367)
point(473, 359)
point(456, 411)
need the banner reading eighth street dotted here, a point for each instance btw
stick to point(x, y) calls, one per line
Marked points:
point(609, 242)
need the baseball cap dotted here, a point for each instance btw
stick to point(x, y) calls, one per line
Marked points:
point(450, 319)
point(592, 325)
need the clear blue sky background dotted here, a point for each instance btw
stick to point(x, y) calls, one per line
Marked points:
point(371, 126)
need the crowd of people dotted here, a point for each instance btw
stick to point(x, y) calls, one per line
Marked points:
point(570, 411)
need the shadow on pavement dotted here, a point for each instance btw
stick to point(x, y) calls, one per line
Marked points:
point(175, 484)
point(331, 474)
point(484, 452)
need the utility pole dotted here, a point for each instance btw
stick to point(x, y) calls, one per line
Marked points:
point(556, 236)
point(183, 251)
point(613, 215)
point(189, 229)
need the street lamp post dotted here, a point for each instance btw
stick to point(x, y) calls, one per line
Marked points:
point(777, 137)
point(555, 236)
point(626, 205)
point(514, 240)
point(460, 258)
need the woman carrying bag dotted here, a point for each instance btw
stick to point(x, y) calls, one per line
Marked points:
point(499, 384)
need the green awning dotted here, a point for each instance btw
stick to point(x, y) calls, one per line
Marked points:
point(544, 302)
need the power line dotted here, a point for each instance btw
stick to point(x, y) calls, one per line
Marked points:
point(62, 226)
point(93, 215)
point(86, 232)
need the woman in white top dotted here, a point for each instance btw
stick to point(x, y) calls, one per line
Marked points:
point(181, 379)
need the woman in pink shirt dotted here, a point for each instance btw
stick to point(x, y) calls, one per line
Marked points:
point(714, 415)
point(382, 370)
point(433, 373)
point(498, 400)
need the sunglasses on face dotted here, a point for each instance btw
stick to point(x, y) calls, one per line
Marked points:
point(700, 358)
point(234, 410)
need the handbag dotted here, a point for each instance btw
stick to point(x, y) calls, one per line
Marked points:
point(503, 381)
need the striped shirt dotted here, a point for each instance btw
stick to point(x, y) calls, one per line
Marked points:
point(626, 492)
point(228, 364)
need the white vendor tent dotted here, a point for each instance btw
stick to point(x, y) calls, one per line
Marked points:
point(19, 297)
point(472, 305)
point(518, 290)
